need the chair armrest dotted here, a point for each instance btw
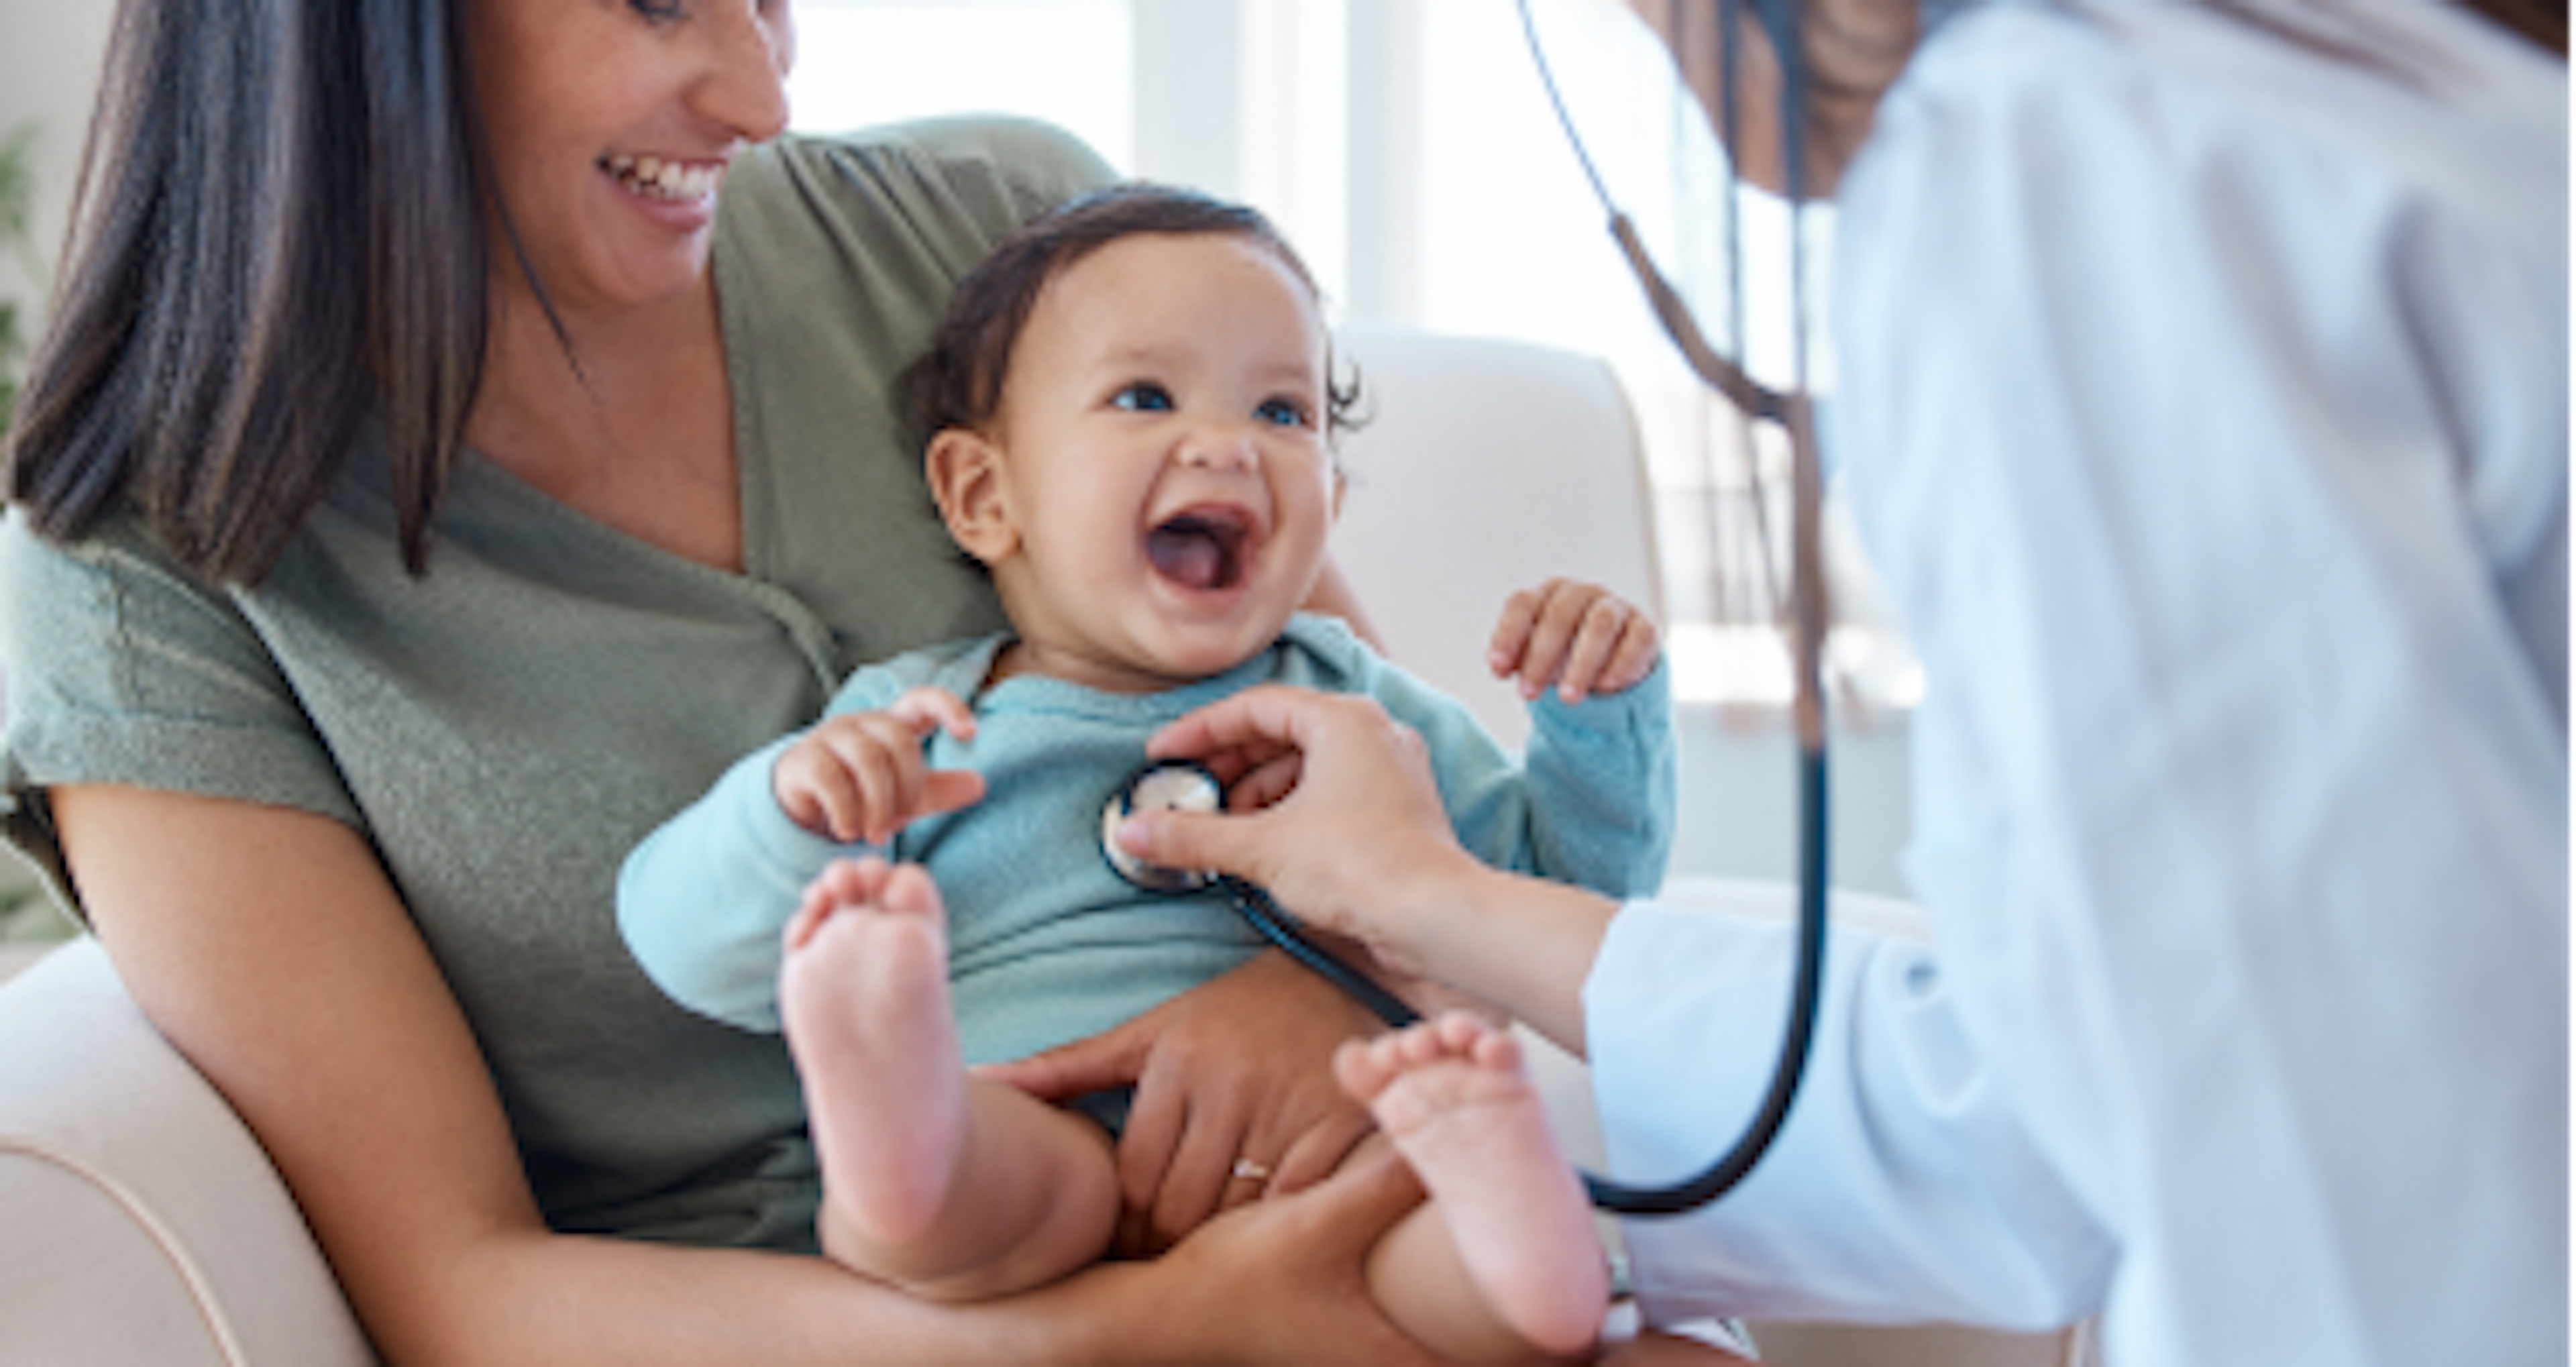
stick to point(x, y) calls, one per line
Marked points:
point(139, 1220)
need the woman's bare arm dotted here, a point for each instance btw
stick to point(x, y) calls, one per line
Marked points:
point(272, 950)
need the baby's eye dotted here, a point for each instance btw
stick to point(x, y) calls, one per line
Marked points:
point(1282, 413)
point(659, 11)
point(1144, 396)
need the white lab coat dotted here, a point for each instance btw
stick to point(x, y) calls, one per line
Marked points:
point(2204, 405)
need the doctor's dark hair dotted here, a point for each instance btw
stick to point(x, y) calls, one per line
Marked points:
point(279, 231)
point(2542, 23)
point(958, 381)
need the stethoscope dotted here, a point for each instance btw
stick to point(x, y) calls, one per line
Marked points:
point(1185, 786)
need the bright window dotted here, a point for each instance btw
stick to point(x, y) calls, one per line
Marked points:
point(874, 61)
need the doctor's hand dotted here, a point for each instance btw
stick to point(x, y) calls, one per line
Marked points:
point(1235, 1097)
point(1331, 806)
point(1579, 638)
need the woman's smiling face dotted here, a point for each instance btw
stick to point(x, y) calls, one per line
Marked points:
point(610, 125)
point(1161, 484)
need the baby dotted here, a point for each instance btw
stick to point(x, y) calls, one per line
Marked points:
point(1132, 416)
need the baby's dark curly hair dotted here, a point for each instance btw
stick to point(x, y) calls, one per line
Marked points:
point(958, 381)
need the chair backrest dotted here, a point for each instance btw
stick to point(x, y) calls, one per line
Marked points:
point(1486, 466)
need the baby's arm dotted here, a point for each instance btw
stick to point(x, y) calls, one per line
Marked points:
point(703, 899)
point(1591, 800)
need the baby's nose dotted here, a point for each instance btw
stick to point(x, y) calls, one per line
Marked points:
point(1220, 447)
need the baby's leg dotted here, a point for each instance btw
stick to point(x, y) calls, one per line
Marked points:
point(949, 1187)
point(1453, 1096)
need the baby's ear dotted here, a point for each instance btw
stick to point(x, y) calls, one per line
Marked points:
point(965, 477)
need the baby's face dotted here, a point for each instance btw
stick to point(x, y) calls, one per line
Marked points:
point(1162, 460)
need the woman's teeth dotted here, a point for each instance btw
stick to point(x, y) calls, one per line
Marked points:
point(655, 178)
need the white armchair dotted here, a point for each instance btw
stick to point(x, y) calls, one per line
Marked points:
point(141, 1223)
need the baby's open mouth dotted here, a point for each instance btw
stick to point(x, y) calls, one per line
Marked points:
point(1199, 549)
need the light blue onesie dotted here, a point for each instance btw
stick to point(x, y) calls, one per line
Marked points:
point(1046, 943)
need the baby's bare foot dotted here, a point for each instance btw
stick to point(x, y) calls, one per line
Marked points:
point(864, 996)
point(1454, 1097)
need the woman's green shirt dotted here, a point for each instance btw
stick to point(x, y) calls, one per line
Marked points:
point(505, 727)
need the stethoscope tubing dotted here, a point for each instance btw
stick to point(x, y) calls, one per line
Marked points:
point(1257, 908)
point(1797, 1040)
point(1252, 902)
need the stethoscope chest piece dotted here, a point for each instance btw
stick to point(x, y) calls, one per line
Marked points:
point(1173, 785)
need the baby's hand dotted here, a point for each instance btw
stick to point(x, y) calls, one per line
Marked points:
point(1580, 638)
point(861, 775)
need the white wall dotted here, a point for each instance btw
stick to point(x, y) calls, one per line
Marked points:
point(1738, 815)
point(49, 58)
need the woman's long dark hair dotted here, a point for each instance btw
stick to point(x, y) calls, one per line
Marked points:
point(278, 231)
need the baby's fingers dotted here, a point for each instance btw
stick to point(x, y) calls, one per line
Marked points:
point(815, 788)
point(1596, 637)
point(1513, 629)
point(1640, 646)
point(1556, 613)
point(876, 779)
point(1613, 649)
point(800, 784)
point(927, 708)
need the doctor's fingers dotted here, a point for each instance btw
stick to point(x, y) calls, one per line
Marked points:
point(1264, 721)
point(1364, 796)
point(1308, 748)
point(1265, 781)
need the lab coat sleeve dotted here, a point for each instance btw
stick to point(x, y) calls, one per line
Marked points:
point(1902, 1188)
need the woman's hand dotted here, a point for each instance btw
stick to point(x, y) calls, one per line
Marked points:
point(1237, 1070)
point(1285, 1280)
